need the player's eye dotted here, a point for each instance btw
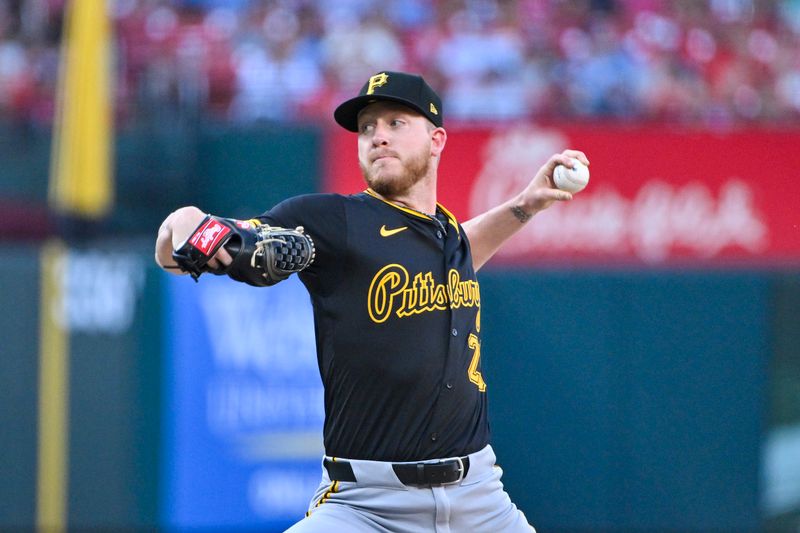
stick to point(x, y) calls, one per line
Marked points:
point(367, 127)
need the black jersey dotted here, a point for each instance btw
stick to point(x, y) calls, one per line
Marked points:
point(397, 324)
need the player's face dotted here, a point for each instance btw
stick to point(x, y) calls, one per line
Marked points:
point(394, 147)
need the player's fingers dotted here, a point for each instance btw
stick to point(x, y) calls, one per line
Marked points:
point(553, 162)
point(223, 257)
point(564, 158)
point(576, 154)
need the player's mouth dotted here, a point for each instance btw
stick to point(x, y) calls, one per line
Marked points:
point(384, 155)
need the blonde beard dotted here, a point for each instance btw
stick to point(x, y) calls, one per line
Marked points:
point(414, 170)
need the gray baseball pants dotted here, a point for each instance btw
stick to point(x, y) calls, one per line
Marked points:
point(378, 501)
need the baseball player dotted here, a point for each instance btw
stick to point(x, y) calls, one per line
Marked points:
point(391, 274)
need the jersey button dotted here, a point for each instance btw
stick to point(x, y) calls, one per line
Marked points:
point(448, 385)
point(434, 436)
point(439, 233)
point(455, 332)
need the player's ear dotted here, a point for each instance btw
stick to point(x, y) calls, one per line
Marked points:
point(438, 140)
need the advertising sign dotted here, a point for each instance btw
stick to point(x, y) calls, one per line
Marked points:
point(243, 405)
point(656, 196)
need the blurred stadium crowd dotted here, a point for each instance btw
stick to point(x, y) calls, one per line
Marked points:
point(704, 62)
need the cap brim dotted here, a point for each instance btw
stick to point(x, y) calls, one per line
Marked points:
point(346, 115)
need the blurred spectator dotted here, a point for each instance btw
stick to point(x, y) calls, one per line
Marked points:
point(356, 47)
point(15, 69)
point(711, 62)
point(482, 57)
point(277, 70)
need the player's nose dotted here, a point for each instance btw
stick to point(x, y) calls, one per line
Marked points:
point(380, 135)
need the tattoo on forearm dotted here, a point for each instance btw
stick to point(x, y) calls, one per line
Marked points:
point(521, 215)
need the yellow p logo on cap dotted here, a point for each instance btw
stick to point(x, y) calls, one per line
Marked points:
point(376, 81)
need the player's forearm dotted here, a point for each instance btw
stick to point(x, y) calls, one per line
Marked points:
point(487, 232)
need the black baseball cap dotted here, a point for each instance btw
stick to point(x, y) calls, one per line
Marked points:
point(407, 89)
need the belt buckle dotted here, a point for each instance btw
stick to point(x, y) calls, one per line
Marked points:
point(460, 472)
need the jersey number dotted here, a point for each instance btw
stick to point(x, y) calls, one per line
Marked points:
point(472, 373)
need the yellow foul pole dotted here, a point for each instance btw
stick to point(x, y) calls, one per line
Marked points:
point(53, 449)
point(80, 173)
point(80, 186)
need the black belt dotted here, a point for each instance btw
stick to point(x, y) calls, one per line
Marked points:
point(441, 473)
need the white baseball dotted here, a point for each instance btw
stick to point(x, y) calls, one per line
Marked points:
point(572, 179)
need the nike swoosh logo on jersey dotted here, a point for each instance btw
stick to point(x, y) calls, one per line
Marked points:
point(389, 232)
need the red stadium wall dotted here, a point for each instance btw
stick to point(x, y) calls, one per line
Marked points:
point(656, 196)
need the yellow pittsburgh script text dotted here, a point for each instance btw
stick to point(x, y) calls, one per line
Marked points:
point(393, 290)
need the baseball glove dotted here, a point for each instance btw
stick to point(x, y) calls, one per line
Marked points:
point(262, 255)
